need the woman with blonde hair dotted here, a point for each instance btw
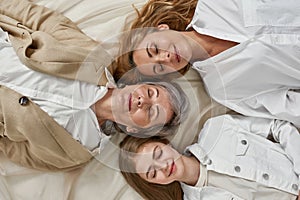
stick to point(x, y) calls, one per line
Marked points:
point(177, 14)
point(247, 55)
point(223, 164)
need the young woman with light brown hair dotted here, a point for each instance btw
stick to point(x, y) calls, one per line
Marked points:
point(147, 190)
point(233, 159)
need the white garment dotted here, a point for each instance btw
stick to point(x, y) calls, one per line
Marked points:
point(68, 102)
point(237, 146)
point(260, 76)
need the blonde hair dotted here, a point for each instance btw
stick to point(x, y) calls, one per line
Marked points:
point(151, 191)
point(177, 14)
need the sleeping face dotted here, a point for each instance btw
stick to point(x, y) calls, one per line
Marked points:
point(162, 52)
point(159, 163)
point(141, 106)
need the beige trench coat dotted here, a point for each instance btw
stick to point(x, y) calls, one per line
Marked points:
point(48, 42)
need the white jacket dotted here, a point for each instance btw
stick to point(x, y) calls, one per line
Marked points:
point(260, 76)
point(237, 146)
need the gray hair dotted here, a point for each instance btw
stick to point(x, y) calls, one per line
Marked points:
point(180, 105)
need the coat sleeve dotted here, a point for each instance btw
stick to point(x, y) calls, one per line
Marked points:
point(39, 18)
point(30, 137)
point(21, 153)
point(48, 42)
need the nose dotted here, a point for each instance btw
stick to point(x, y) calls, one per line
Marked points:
point(162, 166)
point(143, 101)
point(163, 56)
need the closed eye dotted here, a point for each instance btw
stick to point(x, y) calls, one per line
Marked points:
point(150, 112)
point(157, 152)
point(151, 173)
point(158, 68)
point(156, 49)
point(154, 173)
point(148, 51)
point(150, 92)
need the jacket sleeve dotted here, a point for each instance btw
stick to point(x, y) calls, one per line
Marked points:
point(279, 131)
point(288, 137)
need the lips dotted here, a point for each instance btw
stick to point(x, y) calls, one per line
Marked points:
point(178, 58)
point(172, 168)
point(129, 101)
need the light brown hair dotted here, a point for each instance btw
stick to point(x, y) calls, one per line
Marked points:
point(177, 14)
point(150, 191)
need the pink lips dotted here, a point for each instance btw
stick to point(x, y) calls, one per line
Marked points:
point(178, 58)
point(172, 168)
point(129, 102)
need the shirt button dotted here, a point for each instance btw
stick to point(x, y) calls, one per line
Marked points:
point(295, 187)
point(23, 101)
point(244, 142)
point(237, 169)
point(209, 162)
point(266, 176)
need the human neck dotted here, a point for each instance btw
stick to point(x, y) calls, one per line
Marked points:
point(103, 108)
point(211, 46)
point(191, 170)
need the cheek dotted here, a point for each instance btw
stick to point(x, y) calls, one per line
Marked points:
point(166, 113)
point(186, 54)
point(145, 69)
point(140, 118)
point(139, 57)
point(162, 179)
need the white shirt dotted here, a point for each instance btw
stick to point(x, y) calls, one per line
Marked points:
point(260, 76)
point(237, 146)
point(68, 102)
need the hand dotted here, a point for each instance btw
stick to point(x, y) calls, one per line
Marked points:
point(298, 196)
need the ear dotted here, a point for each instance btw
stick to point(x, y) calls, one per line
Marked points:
point(131, 130)
point(163, 27)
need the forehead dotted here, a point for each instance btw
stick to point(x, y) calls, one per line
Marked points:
point(143, 158)
point(155, 36)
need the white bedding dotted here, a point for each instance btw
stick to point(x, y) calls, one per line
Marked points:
point(100, 179)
